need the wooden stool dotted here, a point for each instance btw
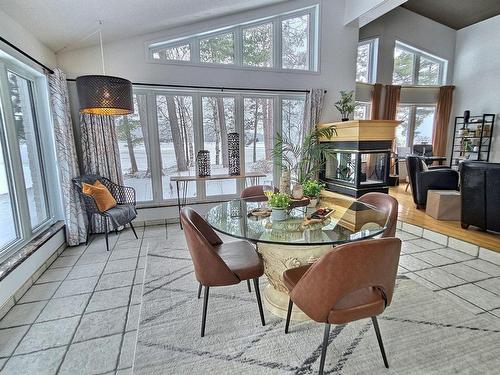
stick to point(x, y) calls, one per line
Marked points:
point(444, 204)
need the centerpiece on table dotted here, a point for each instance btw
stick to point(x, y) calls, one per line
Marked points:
point(279, 204)
point(312, 189)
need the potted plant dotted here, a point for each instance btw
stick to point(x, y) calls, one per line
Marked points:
point(279, 203)
point(311, 189)
point(346, 104)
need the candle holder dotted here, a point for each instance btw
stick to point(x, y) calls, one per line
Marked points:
point(233, 147)
point(203, 163)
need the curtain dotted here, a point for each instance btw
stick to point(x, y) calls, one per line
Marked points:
point(392, 93)
point(100, 154)
point(74, 215)
point(375, 107)
point(441, 120)
point(313, 108)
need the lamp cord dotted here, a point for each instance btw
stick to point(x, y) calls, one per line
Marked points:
point(102, 49)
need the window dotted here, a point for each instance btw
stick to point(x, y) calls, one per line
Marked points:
point(258, 45)
point(176, 138)
point(281, 42)
point(132, 132)
point(417, 125)
point(295, 43)
point(292, 115)
point(414, 67)
point(217, 49)
point(362, 111)
point(366, 66)
point(175, 53)
point(24, 198)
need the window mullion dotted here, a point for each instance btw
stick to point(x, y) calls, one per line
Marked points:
point(278, 129)
point(238, 46)
point(416, 65)
point(411, 126)
point(239, 109)
point(195, 50)
point(277, 43)
point(154, 158)
point(198, 139)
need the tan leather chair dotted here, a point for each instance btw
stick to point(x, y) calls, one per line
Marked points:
point(217, 263)
point(255, 193)
point(354, 281)
point(387, 204)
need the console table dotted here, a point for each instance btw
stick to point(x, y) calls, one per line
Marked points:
point(181, 201)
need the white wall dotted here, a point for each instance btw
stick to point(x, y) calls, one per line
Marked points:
point(477, 74)
point(413, 29)
point(127, 58)
point(23, 39)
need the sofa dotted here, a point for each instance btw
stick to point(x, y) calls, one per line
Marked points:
point(480, 194)
point(423, 179)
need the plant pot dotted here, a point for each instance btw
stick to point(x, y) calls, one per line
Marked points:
point(345, 119)
point(297, 192)
point(313, 202)
point(278, 214)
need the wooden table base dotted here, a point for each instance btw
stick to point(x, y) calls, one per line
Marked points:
point(277, 259)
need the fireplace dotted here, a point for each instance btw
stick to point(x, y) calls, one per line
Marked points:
point(358, 162)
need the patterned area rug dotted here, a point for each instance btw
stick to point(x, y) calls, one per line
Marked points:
point(423, 333)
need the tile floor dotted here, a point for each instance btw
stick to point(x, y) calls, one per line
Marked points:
point(81, 315)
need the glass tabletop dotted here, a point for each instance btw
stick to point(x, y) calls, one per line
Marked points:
point(350, 222)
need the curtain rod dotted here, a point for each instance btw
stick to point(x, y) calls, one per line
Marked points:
point(26, 55)
point(212, 87)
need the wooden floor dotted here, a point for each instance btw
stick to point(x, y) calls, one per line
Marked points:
point(408, 213)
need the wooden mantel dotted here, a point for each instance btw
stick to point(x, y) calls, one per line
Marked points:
point(362, 130)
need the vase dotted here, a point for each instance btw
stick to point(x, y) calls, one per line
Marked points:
point(278, 214)
point(285, 183)
point(233, 147)
point(297, 192)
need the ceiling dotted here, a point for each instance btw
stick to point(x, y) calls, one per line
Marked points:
point(64, 24)
point(456, 14)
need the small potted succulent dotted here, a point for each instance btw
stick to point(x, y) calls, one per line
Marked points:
point(279, 203)
point(311, 189)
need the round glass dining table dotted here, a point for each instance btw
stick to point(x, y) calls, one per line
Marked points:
point(295, 241)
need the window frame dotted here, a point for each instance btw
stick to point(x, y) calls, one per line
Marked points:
point(372, 58)
point(412, 113)
point(154, 145)
point(237, 30)
point(418, 54)
point(13, 162)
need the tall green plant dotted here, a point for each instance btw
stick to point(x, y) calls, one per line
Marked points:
point(303, 160)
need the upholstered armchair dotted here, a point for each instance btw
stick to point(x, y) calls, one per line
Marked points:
point(120, 215)
point(422, 180)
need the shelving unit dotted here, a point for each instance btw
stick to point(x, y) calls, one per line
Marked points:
point(472, 141)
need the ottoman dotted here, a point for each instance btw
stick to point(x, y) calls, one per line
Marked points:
point(444, 204)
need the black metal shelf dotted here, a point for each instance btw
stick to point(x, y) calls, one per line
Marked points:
point(484, 146)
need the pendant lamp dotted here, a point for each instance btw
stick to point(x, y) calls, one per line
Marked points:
point(103, 94)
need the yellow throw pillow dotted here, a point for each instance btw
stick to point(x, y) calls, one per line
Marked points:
point(101, 195)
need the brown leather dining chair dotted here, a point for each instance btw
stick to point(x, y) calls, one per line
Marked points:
point(354, 281)
point(386, 204)
point(255, 193)
point(217, 263)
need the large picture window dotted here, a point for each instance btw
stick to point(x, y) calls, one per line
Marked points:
point(24, 198)
point(415, 67)
point(366, 62)
point(281, 42)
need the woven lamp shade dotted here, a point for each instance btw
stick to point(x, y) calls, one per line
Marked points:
point(105, 95)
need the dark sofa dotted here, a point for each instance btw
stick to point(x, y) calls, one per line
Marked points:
point(480, 191)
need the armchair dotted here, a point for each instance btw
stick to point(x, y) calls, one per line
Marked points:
point(120, 215)
point(423, 180)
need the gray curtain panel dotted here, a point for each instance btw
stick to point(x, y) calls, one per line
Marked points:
point(74, 214)
point(313, 108)
point(100, 154)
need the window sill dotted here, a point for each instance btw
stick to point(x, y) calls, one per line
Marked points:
point(19, 256)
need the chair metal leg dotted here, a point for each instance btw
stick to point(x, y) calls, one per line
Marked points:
point(326, 336)
point(199, 291)
point(288, 315)
point(249, 287)
point(379, 339)
point(407, 186)
point(133, 230)
point(205, 305)
point(259, 301)
point(106, 232)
